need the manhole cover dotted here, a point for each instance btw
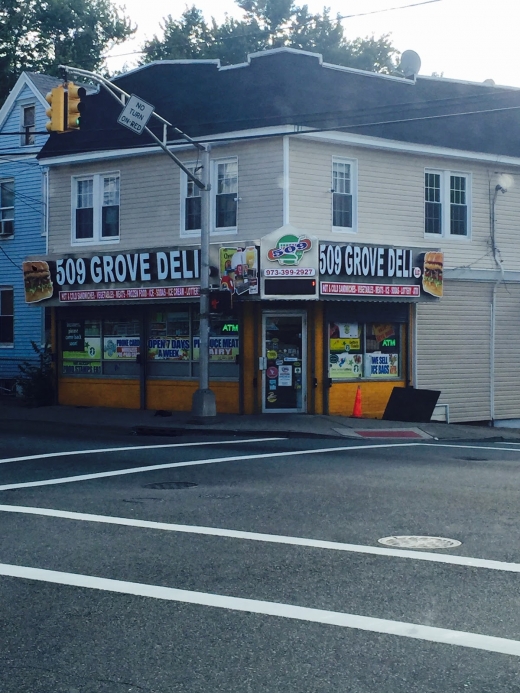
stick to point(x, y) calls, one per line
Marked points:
point(167, 485)
point(412, 542)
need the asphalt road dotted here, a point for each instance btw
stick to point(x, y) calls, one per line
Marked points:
point(140, 564)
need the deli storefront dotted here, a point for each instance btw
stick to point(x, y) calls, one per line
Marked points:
point(309, 322)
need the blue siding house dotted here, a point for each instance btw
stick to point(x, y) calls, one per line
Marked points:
point(23, 219)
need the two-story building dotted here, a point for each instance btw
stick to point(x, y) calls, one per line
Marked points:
point(366, 225)
point(22, 219)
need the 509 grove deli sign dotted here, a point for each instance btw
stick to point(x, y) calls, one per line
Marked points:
point(394, 271)
point(107, 277)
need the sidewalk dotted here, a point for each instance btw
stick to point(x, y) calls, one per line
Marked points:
point(131, 421)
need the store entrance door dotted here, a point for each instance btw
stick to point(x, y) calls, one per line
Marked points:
point(284, 362)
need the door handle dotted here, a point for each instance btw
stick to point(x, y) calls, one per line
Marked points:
point(262, 363)
point(315, 382)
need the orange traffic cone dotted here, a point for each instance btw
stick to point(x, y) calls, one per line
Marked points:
point(357, 413)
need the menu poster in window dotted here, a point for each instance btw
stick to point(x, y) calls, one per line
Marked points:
point(345, 366)
point(169, 349)
point(81, 368)
point(121, 347)
point(347, 330)
point(76, 345)
point(220, 348)
point(239, 269)
point(381, 365)
point(73, 336)
point(383, 332)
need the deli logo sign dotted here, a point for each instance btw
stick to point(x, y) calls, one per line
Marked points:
point(125, 268)
point(368, 261)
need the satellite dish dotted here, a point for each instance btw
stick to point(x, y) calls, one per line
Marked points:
point(410, 64)
point(489, 82)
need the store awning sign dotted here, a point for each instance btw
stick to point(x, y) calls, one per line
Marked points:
point(289, 264)
point(379, 271)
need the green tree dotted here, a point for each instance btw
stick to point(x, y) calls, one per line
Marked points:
point(38, 36)
point(267, 24)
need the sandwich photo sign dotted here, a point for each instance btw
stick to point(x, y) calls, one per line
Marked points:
point(37, 281)
point(381, 272)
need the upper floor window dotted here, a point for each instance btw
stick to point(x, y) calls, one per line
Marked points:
point(191, 209)
point(343, 194)
point(446, 203)
point(6, 208)
point(28, 125)
point(226, 192)
point(6, 316)
point(96, 208)
point(224, 198)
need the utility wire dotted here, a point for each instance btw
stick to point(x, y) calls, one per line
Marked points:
point(10, 260)
point(388, 9)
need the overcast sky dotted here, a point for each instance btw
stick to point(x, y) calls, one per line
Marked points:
point(463, 39)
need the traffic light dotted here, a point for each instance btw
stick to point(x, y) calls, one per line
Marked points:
point(74, 105)
point(220, 301)
point(56, 111)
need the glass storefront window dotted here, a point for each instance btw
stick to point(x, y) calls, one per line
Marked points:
point(112, 346)
point(364, 350)
point(169, 336)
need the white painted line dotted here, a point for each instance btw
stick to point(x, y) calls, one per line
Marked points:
point(134, 447)
point(469, 447)
point(194, 463)
point(268, 538)
point(333, 618)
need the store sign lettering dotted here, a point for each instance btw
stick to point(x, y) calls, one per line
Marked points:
point(367, 261)
point(128, 267)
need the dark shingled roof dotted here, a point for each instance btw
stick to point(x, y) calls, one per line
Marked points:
point(294, 87)
point(44, 83)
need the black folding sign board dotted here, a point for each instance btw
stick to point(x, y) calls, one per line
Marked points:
point(409, 404)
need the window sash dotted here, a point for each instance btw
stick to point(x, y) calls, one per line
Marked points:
point(446, 208)
point(28, 125)
point(226, 195)
point(192, 210)
point(97, 209)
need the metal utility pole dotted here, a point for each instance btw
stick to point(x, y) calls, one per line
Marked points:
point(203, 405)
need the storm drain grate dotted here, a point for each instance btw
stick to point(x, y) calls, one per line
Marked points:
point(415, 542)
point(171, 485)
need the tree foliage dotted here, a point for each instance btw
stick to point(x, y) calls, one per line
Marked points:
point(40, 35)
point(267, 24)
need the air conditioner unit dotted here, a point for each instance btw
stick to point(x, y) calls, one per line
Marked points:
point(6, 234)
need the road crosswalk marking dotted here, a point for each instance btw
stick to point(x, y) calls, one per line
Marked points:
point(333, 618)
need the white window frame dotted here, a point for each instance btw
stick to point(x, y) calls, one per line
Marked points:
point(32, 131)
point(353, 163)
point(214, 189)
point(184, 180)
point(97, 197)
point(8, 345)
point(445, 202)
point(191, 165)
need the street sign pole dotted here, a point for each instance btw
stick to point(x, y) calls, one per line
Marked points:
point(203, 405)
point(134, 116)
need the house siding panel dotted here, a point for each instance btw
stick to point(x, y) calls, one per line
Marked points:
point(150, 212)
point(391, 202)
point(28, 238)
point(453, 349)
point(507, 352)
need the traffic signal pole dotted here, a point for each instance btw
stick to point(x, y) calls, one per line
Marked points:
point(203, 406)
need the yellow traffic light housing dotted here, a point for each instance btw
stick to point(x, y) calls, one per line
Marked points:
point(74, 106)
point(56, 111)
